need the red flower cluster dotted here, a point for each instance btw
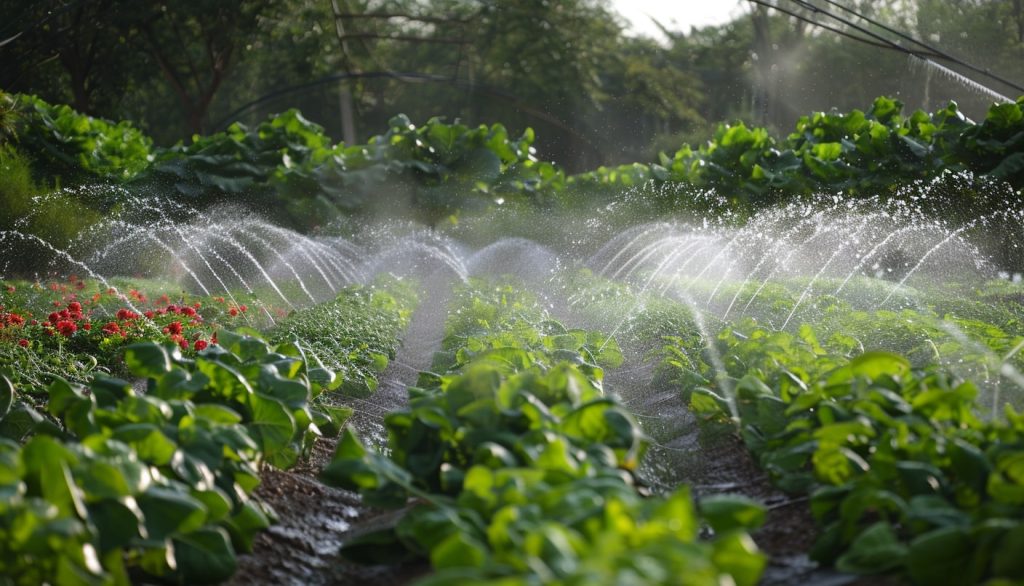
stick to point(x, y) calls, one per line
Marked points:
point(67, 327)
point(66, 321)
point(136, 313)
point(11, 319)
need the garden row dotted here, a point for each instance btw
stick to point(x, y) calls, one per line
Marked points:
point(513, 465)
point(104, 483)
point(440, 169)
point(907, 470)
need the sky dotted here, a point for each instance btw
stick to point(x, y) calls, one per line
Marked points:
point(676, 14)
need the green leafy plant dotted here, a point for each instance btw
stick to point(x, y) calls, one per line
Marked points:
point(159, 482)
point(520, 467)
point(65, 143)
point(356, 334)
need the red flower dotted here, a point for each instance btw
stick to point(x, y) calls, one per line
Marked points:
point(199, 345)
point(126, 314)
point(243, 308)
point(53, 317)
point(87, 326)
point(11, 289)
point(111, 328)
point(173, 328)
point(75, 307)
point(66, 327)
point(149, 314)
point(188, 311)
point(23, 343)
point(232, 312)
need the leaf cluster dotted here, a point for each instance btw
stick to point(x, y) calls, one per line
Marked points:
point(855, 152)
point(521, 469)
point(356, 334)
point(73, 146)
point(903, 476)
point(118, 484)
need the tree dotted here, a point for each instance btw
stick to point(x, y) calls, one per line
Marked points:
point(194, 44)
point(78, 52)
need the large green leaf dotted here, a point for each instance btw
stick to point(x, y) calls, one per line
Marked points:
point(204, 556)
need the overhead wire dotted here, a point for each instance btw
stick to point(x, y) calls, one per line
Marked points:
point(937, 52)
point(895, 45)
point(830, 28)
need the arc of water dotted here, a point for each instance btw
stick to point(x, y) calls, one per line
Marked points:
point(227, 290)
point(190, 272)
point(700, 244)
point(757, 235)
point(821, 271)
point(192, 246)
point(921, 261)
point(305, 242)
point(696, 242)
point(817, 234)
point(786, 238)
point(622, 250)
point(720, 252)
point(338, 262)
point(245, 252)
point(4, 234)
point(646, 253)
point(266, 244)
point(441, 253)
point(875, 249)
point(638, 303)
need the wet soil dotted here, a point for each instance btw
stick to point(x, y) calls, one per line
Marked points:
point(713, 460)
point(314, 520)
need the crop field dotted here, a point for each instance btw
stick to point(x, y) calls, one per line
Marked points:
point(434, 359)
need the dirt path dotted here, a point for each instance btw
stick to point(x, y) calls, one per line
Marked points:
point(301, 549)
point(715, 461)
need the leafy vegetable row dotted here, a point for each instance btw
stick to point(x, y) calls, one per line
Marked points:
point(289, 162)
point(903, 475)
point(117, 485)
point(513, 465)
point(442, 168)
point(856, 152)
point(356, 334)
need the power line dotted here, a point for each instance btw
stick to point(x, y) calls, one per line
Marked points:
point(917, 53)
point(836, 30)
